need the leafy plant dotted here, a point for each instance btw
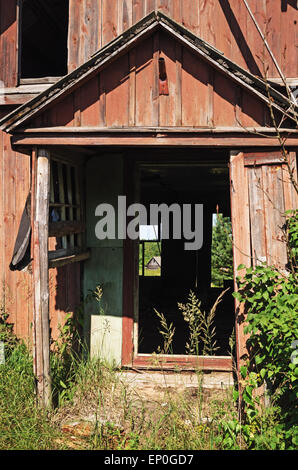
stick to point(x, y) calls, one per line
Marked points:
point(221, 251)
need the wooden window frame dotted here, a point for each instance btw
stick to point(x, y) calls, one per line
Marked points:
point(32, 80)
point(71, 228)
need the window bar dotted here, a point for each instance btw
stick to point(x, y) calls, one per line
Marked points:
point(70, 195)
point(78, 202)
point(62, 200)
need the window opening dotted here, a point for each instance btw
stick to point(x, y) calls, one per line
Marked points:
point(43, 38)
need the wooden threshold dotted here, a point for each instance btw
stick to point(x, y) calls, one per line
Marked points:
point(174, 362)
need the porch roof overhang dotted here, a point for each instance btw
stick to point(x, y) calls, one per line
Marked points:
point(155, 137)
point(21, 117)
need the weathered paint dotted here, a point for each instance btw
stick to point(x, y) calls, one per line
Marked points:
point(224, 24)
point(104, 175)
point(126, 94)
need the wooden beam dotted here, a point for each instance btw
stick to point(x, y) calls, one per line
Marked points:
point(75, 258)
point(60, 229)
point(41, 185)
point(219, 363)
point(201, 138)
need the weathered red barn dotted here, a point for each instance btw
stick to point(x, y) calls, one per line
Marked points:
point(162, 101)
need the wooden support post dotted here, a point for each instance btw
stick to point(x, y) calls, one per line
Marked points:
point(40, 231)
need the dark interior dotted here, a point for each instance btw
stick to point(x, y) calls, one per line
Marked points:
point(43, 38)
point(202, 180)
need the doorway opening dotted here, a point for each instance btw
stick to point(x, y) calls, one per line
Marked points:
point(168, 272)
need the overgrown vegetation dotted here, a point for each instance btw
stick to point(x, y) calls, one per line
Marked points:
point(96, 408)
point(271, 301)
point(221, 251)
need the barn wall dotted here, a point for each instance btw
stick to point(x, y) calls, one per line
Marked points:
point(16, 289)
point(8, 43)
point(126, 93)
point(16, 292)
point(225, 24)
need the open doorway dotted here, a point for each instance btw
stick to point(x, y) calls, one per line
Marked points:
point(168, 272)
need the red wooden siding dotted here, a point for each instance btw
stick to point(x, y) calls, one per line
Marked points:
point(225, 24)
point(126, 93)
point(8, 43)
point(16, 294)
point(261, 192)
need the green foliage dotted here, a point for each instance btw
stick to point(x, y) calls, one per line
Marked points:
point(221, 251)
point(271, 300)
point(291, 231)
point(23, 425)
point(6, 333)
point(151, 249)
point(201, 326)
point(271, 303)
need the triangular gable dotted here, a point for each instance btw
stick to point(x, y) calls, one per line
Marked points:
point(120, 86)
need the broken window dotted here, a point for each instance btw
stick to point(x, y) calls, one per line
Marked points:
point(65, 217)
point(43, 38)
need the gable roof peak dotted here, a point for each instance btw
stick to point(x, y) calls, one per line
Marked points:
point(128, 39)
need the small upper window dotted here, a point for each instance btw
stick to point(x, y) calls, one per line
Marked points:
point(43, 38)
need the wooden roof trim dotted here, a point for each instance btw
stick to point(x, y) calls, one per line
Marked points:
point(152, 130)
point(123, 42)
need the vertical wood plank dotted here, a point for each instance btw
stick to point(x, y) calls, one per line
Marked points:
point(125, 15)
point(89, 29)
point(138, 10)
point(241, 238)
point(8, 43)
point(62, 199)
point(41, 279)
point(178, 108)
point(195, 79)
point(109, 21)
point(224, 101)
point(290, 195)
point(116, 79)
point(274, 208)
point(132, 88)
point(89, 109)
point(146, 89)
point(102, 99)
point(210, 108)
point(167, 103)
point(74, 24)
point(190, 15)
point(10, 227)
point(257, 215)
point(260, 54)
point(150, 6)
point(70, 201)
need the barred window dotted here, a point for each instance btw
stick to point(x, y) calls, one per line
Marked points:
point(66, 224)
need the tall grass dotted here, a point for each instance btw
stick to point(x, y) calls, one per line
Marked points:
point(22, 424)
